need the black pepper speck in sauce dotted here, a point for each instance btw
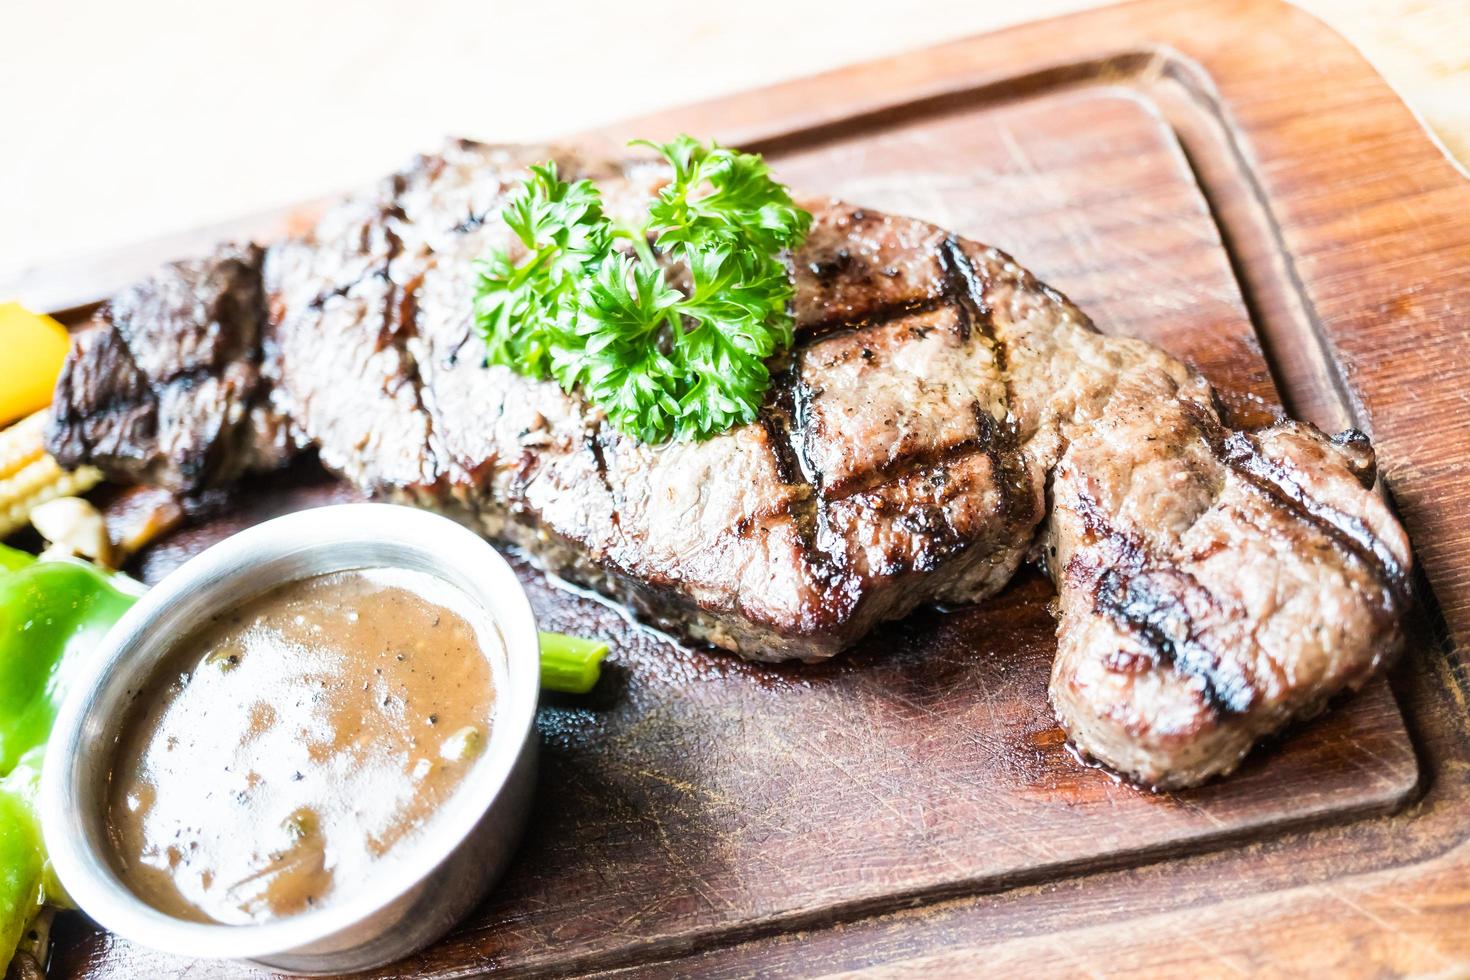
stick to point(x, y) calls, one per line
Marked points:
point(236, 799)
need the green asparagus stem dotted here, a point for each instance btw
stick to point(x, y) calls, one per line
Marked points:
point(570, 664)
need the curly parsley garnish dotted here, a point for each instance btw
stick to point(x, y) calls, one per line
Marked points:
point(591, 306)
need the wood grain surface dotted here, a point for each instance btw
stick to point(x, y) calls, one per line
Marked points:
point(1226, 179)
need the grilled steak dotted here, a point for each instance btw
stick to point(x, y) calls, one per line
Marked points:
point(167, 387)
point(1213, 584)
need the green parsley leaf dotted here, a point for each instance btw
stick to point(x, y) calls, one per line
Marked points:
point(617, 359)
point(660, 363)
point(523, 311)
point(722, 197)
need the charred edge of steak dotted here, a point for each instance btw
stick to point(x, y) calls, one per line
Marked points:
point(103, 405)
point(1357, 452)
point(1241, 452)
point(128, 399)
point(1156, 617)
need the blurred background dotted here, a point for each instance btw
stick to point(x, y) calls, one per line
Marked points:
point(125, 121)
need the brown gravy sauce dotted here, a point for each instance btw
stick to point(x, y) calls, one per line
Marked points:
point(288, 748)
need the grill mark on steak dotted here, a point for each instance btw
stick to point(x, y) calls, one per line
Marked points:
point(1242, 454)
point(827, 271)
point(1002, 445)
point(392, 307)
point(469, 223)
point(897, 469)
point(1001, 438)
point(959, 290)
point(452, 358)
point(399, 322)
point(323, 298)
point(406, 311)
point(1159, 620)
point(1156, 618)
point(390, 210)
point(599, 460)
point(783, 417)
point(810, 334)
point(964, 284)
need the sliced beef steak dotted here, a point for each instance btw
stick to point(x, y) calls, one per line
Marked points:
point(784, 539)
point(166, 386)
point(1214, 585)
point(902, 457)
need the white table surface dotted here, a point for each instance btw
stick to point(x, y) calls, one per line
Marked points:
point(129, 119)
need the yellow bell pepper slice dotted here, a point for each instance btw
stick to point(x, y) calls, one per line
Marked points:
point(32, 347)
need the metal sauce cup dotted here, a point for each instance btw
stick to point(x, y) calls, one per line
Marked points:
point(413, 898)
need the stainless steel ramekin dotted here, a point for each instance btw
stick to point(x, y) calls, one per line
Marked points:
point(414, 900)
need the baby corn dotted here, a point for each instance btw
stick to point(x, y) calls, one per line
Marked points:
point(29, 477)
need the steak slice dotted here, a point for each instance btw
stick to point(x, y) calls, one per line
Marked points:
point(902, 457)
point(166, 387)
point(1214, 585)
point(784, 539)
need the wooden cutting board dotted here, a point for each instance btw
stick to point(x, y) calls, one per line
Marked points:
point(1228, 180)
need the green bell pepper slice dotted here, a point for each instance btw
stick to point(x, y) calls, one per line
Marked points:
point(26, 879)
point(52, 614)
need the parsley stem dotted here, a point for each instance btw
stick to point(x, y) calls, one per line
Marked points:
point(639, 238)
